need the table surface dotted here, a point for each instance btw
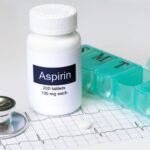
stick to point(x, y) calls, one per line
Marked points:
point(119, 27)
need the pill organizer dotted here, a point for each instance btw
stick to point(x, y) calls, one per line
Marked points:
point(116, 79)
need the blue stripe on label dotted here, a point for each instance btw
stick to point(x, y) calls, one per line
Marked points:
point(54, 76)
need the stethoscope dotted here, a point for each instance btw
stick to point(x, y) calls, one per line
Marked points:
point(11, 123)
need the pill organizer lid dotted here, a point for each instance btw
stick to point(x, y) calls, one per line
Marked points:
point(6, 103)
point(53, 19)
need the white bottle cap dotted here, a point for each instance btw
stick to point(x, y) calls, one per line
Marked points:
point(53, 19)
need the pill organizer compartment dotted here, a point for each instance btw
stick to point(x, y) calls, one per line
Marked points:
point(142, 95)
point(116, 79)
point(112, 81)
point(104, 73)
point(92, 59)
point(125, 84)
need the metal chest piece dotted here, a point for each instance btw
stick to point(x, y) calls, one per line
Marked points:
point(11, 123)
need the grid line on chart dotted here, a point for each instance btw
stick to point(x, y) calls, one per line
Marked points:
point(118, 121)
point(109, 123)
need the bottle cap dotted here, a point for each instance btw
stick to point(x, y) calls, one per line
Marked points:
point(53, 19)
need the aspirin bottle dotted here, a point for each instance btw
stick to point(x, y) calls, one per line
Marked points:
point(54, 60)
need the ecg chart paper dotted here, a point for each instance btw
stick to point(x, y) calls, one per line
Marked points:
point(109, 123)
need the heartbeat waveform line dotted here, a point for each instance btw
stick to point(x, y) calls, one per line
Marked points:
point(39, 139)
point(82, 110)
point(142, 128)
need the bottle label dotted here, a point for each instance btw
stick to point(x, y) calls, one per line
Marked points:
point(54, 81)
point(54, 76)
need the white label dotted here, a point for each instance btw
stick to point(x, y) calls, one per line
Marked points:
point(54, 81)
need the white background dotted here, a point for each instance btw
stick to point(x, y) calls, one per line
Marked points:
point(117, 26)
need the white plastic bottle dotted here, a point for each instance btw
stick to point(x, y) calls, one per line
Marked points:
point(54, 60)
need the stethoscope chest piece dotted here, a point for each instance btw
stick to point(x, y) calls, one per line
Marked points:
point(11, 123)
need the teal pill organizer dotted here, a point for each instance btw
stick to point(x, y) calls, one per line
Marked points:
point(116, 79)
